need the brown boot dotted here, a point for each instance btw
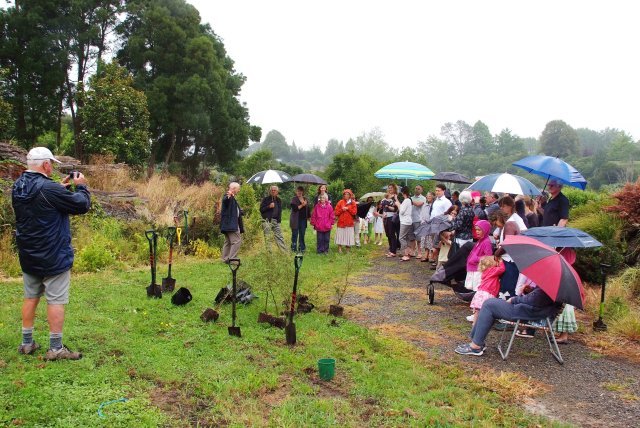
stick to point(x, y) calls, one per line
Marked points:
point(63, 353)
point(28, 349)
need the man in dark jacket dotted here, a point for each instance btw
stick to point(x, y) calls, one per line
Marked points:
point(533, 306)
point(271, 211)
point(231, 223)
point(43, 236)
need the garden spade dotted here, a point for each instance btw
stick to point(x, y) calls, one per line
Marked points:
point(178, 235)
point(153, 290)
point(290, 329)
point(598, 324)
point(168, 283)
point(234, 264)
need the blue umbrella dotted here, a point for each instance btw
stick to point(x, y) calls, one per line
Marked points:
point(551, 167)
point(564, 237)
point(505, 183)
point(406, 170)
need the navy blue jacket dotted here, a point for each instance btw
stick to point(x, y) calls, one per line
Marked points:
point(230, 215)
point(42, 209)
point(535, 305)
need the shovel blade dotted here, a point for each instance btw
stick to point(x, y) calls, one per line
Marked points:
point(235, 331)
point(290, 331)
point(168, 285)
point(153, 290)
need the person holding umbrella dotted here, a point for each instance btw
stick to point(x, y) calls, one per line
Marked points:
point(556, 210)
point(300, 212)
point(533, 306)
point(390, 210)
point(271, 212)
point(345, 210)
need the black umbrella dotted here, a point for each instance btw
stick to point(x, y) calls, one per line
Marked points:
point(269, 176)
point(555, 236)
point(451, 177)
point(308, 179)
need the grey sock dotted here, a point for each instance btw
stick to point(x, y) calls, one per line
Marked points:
point(27, 336)
point(55, 341)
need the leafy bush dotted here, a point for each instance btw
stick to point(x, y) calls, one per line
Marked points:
point(579, 197)
point(606, 229)
point(9, 263)
point(202, 250)
point(95, 256)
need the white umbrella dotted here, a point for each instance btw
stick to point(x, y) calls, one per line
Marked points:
point(505, 183)
point(269, 176)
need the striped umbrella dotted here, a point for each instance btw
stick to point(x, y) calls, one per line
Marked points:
point(406, 170)
point(547, 268)
point(505, 183)
point(269, 176)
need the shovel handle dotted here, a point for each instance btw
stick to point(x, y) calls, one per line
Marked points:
point(171, 233)
point(179, 234)
point(234, 264)
point(149, 235)
point(297, 261)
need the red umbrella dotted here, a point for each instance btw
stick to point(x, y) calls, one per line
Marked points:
point(547, 268)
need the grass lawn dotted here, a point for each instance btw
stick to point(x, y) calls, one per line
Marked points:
point(176, 370)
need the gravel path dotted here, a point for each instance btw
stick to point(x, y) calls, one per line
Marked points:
point(588, 390)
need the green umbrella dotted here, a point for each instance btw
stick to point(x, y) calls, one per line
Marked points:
point(406, 170)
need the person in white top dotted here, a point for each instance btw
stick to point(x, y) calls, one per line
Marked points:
point(419, 203)
point(511, 224)
point(440, 205)
point(407, 237)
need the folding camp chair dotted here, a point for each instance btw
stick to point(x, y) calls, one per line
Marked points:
point(545, 325)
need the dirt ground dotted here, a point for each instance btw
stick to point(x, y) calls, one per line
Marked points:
point(589, 390)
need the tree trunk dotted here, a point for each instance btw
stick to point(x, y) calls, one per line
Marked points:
point(169, 154)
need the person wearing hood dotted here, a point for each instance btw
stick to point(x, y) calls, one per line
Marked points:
point(43, 236)
point(481, 248)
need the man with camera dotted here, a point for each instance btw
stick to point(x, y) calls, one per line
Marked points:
point(231, 223)
point(43, 236)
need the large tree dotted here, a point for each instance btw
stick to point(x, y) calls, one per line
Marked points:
point(190, 83)
point(115, 116)
point(36, 65)
point(559, 139)
point(276, 143)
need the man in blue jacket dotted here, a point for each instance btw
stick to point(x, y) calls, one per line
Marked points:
point(533, 306)
point(231, 223)
point(42, 207)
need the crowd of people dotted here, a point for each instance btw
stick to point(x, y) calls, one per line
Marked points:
point(467, 218)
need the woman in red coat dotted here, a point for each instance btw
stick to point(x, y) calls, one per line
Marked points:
point(345, 211)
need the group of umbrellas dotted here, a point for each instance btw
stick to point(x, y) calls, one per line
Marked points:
point(534, 252)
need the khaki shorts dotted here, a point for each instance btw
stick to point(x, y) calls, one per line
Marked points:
point(54, 288)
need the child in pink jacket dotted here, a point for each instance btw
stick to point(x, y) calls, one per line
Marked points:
point(489, 284)
point(322, 220)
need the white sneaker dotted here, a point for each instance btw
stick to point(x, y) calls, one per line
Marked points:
point(470, 318)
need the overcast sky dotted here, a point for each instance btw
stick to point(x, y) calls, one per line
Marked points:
point(335, 69)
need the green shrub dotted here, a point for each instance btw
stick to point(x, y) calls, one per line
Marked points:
point(248, 200)
point(9, 263)
point(579, 197)
point(203, 250)
point(606, 229)
point(95, 256)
